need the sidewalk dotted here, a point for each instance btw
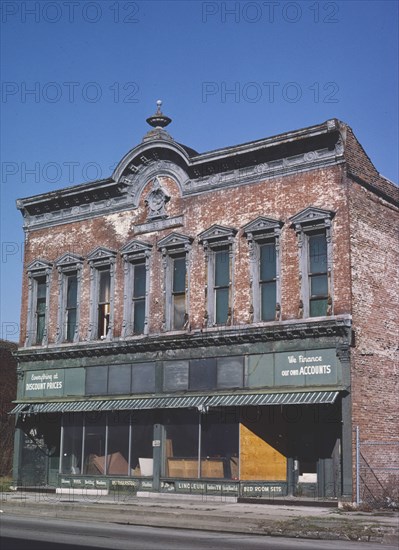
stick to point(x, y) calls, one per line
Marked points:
point(211, 514)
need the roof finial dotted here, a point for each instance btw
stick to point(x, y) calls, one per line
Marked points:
point(159, 120)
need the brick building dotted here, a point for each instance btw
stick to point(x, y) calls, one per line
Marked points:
point(210, 322)
point(8, 388)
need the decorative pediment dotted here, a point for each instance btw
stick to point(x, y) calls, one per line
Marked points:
point(217, 234)
point(312, 216)
point(39, 265)
point(175, 241)
point(261, 227)
point(69, 259)
point(101, 253)
point(136, 249)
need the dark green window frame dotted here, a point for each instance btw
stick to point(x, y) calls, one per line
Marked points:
point(317, 274)
point(71, 305)
point(139, 296)
point(267, 280)
point(179, 284)
point(40, 309)
point(104, 301)
point(221, 287)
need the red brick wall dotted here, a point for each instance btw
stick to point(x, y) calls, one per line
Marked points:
point(278, 198)
point(8, 392)
point(375, 310)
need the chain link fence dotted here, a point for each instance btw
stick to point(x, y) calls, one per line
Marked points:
point(377, 473)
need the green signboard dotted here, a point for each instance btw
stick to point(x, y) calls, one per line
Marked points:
point(46, 383)
point(306, 368)
point(54, 383)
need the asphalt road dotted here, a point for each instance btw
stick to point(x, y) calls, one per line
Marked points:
point(18, 533)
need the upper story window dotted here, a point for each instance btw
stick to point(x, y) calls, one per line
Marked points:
point(175, 250)
point(69, 268)
point(102, 270)
point(263, 235)
point(39, 273)
point(218, 244)
point(179, 273)
point(313, 229)
point(318, 274)
point(221, 286)
point(136, 255)
point(103, 301)
point(40, 308)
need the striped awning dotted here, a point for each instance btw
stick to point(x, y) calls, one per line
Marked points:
point(179, 402)
point(295, 398)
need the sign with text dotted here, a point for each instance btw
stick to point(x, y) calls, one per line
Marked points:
point(306, 368)
point(46, 383)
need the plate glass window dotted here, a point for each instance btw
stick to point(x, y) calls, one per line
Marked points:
point(318, 281)
point(267, 280)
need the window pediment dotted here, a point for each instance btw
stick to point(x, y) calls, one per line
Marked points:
point(175, 241)
point(69, 259)
point(101, 254)
point(312, 216)
point(217, 235)
point(39, 266)
point(135, 249)
point(261, 227)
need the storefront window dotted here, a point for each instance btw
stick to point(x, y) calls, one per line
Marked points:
point(118, 443)
point(181, 444)
point(94, 444)
point(219, 446)
point(72, 444)
point(141, 443)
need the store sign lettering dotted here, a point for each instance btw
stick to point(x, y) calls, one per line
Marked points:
point(262, 489)
point(310, 368)
point(44, 383)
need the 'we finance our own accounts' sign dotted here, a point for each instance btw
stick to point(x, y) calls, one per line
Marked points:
point(309, 368)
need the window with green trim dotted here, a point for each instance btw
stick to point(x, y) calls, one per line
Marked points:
point(221, 285)
point(317, 273)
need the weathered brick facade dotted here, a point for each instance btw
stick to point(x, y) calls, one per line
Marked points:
point(8, 388)
point(323, 168)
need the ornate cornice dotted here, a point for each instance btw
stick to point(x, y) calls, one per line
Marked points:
point(333, 327)
point(290, 153)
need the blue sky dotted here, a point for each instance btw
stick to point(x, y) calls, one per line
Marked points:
point(79, 78)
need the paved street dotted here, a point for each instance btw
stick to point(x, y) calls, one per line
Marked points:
point(47, 534)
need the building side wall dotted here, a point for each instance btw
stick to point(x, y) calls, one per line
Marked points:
point(375, 311)
point(8, 391)
point(278, 198)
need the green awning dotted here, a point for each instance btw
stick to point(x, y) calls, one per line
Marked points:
point(294, 398)
point(179, 402)
point(175, 402)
